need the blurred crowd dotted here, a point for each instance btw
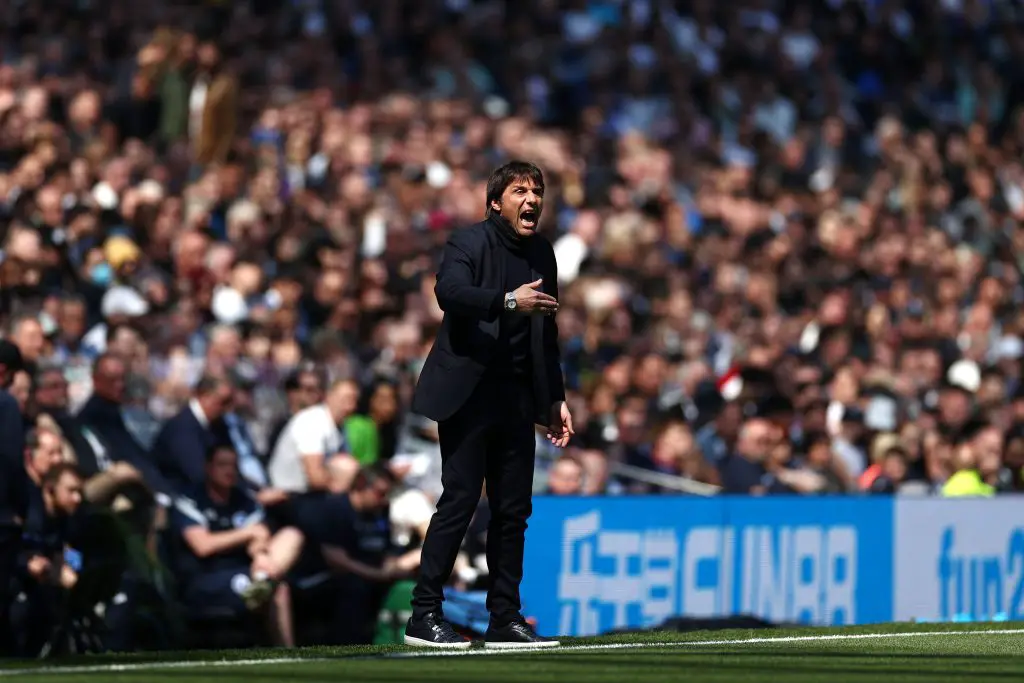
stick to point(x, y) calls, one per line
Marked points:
point(788, 236)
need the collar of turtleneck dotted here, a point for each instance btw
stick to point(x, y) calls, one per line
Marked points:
point(506, 233)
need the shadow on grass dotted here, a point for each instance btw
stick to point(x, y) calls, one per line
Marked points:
point(722, 664)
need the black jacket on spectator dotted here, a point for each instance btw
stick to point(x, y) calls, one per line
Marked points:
point(471, 290)
point(14, 481)
point(180, 450)
point(72, 430)
point(104, 422)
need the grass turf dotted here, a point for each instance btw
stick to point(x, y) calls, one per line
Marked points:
point(961, 652)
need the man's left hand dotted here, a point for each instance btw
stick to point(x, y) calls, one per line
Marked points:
point(560, 426)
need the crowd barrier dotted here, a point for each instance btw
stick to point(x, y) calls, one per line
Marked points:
point(599, 564)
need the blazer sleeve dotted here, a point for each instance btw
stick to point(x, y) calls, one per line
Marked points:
point(454, 288)
point(552, 352)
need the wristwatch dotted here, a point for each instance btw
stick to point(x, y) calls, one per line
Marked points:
point(510, 301)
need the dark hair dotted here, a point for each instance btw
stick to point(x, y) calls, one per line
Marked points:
point(10, 357)
point(112, 330)
point(54, 474)
point(366, 398)
point(106, 357)
point(213, 450)
point(505, 175)
point(371, 474)
point(292, 381)
point(208, 384)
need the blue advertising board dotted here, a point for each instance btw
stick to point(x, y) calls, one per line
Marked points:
point(597, 564)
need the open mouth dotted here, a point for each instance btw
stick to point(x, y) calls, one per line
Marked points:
point(528, 218)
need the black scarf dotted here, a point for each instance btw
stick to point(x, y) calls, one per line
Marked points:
point(507, 234)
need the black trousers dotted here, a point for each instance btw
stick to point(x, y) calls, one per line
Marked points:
point(490, 439)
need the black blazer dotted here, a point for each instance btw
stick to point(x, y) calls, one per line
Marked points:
point(470, 291)
point(180, 450)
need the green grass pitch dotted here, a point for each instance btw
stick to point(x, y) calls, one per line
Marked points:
point(889, 653)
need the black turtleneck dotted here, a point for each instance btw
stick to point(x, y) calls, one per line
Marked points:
point(513, 352)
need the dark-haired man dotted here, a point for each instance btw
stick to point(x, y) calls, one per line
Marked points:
point(184, 439)
point(358, 548)
point(45, 576)
point(230, 557)
point(493, 372)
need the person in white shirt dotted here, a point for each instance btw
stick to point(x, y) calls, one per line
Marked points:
point(311, 454)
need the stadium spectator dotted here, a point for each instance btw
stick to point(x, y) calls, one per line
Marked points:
point(45, 576)
point(181, 446)
point(358, 547)
point(302, 388)
point(105, 430)
point(565, 477)
point(230, 558)
point(27, 334)
point(750, 468)
point(372, 432)
point(311, 455)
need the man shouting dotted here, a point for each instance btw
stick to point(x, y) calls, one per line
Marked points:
point(494, 371)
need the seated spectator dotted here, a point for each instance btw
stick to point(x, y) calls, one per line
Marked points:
point(596, 477)
point(231, 558)
point(822, 460)
point(50, 398)
point(311, 455)
point(373, 432)
point(184, 440)
point(43, 451)
point(27, 334)
point(108, 439)
point(302, 389)
point(888, 468)
point(45, 575)
point(565, 477)
point(674, 452)
point(966, 480)
point(357, 548)
point(746, 470)
point(21, 390)
point(1013, 449)
point(251, 462)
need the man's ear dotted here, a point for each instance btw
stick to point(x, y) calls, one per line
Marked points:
point(495, 206)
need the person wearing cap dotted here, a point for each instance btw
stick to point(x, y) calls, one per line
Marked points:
point(957, 394)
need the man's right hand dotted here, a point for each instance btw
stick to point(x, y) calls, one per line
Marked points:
point(529, 299)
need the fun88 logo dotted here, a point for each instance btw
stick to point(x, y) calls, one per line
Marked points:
point(980, 586)
point(960, 559)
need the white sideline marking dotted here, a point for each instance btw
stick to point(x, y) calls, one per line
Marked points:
point(705, 643)
point(231, 663)
point(152, 666)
